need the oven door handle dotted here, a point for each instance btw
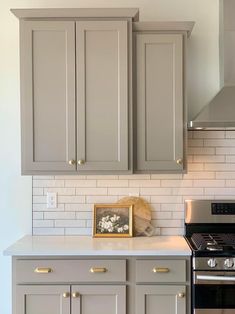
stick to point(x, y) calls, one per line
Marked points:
point(215, 278)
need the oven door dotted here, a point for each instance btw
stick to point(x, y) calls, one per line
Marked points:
point(214, 292)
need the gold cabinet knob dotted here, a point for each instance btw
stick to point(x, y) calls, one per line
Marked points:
point(161, 270)
point(179, 161)
point(66, 295)
point(43, 270)
point(98, 270)
point(81, 162)
point(181, 295)
point(75, 294)
point(72, 162)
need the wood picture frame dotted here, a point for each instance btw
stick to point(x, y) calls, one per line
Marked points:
point(113, 221)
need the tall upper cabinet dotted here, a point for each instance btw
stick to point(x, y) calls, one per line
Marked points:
point(76, 90)
point(160, 97)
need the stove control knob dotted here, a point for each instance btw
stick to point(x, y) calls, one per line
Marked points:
point(212, 262)
point(228, 263)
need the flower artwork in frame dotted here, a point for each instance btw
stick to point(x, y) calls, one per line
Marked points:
point(112, 220)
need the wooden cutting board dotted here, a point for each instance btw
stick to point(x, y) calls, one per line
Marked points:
point(141, 214)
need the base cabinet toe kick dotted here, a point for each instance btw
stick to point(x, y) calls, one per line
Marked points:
point(117, 285)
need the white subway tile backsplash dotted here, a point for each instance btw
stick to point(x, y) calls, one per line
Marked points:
point(211, 175)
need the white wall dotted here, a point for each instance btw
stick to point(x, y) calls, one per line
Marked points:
point(15, 191)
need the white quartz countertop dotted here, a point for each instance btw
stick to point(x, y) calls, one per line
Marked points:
point(88, 246)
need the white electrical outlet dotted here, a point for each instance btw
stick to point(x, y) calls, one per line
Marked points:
point(51, 200)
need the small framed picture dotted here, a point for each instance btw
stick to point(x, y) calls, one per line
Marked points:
point(112, 220)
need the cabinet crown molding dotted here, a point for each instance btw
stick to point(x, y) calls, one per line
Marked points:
point(131, 13)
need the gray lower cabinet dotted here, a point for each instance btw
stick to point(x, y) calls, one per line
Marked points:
point(159, 102)
point(34, 299)
point(74, 96)
point(167, 299)
point(98, 299)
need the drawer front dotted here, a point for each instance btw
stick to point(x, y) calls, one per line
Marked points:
point(160, 271)
point(28, 271)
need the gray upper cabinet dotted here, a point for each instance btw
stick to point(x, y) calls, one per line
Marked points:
point(76, 90)
point(102, 95)
point(47, 57)
point(160, 97)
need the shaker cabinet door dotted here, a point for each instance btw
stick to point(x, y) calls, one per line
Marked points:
point(98, 299)
point(159, 101)
point(102, 95)
point(42, 300)
point(160, 300)
point(47, 95)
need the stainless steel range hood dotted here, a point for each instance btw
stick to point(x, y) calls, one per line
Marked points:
point(219, 114)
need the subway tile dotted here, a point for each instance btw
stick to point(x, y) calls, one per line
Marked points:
point(166, 199)
point(37, 215)
point(172, 207)
point(201, 150)
point(166, 176)
point(176, 183)
point(220, 191)
point(230, 134)
point(161, 215)
point(209, 134)
point(78, 207)
point(220, 143)
point(39, 199)
point(220, 167)
point(84, 215)
point(80, 183)
point(230, 183)
point(135, 177)
point(155, 207)
point(195, 167)
point(37, 191)
point(168, 223)
point(155, 191)
point(101, 199)
point(230, 158)
point(208, 159)
point(59, 215)
point(112, 183)
point(178, 215)
point(225, 175)
point(91, 191)
point(48, 183)
point(195, 142)
point(199, 175)
point(123, 191)
point(43, 223)
point(145, 183)
point(71, 199)
point(209, 183)
point(60, 191)
point(172, 231)
point(225, 150)
point(70, 223)
point(78, 231)
point(43, 178)
point(70, 177)
point(48, 231)
point(43, 207)
point(102, 177)
point(187, 191)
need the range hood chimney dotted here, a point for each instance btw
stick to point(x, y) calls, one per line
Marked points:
point(219, 114)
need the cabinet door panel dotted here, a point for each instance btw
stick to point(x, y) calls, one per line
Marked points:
point(159, 101)
point(42, 300)
point(48, 95)
point(102, 95)
point(99, 300)
point(160, 299)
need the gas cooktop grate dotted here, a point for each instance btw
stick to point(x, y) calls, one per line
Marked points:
point(221, 240)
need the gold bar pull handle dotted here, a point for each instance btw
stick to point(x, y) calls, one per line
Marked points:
point(43, 270)
point(161, 270)
point(98, 270)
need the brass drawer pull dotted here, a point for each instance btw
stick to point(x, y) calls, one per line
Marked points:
point(179, 161)
point(98, 270)
point(66, 295)
point(161, 270)
point(43, 270)
point(75, 294)
point(72, 162)
point(81, 162)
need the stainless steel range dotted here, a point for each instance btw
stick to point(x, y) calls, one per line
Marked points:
point(210, 232)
